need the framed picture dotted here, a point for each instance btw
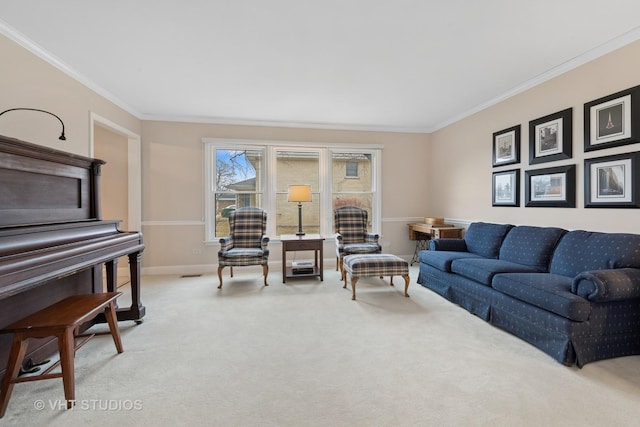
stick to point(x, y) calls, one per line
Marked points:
point(506, 188)
point(506, 146)
point(613, 120)
point(550, 137)
point(612, 181)
point(551, 187)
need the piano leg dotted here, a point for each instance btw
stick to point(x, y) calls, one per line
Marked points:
point(137, 311)
point(112, 274)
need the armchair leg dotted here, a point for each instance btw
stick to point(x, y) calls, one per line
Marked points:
point(231, 269)
point(337, 263)
point(265, 272)
point(220, 267)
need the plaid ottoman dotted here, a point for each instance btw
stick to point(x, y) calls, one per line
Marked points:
point(366, 265)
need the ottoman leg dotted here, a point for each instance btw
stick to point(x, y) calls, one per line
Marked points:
point(391, 280)
point(354, 280)
point(406, 285)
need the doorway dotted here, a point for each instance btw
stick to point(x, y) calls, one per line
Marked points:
point(120, 180)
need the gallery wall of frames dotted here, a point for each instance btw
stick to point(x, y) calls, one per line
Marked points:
point(610, 181)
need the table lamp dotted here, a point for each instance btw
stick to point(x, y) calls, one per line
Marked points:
point(299, 193)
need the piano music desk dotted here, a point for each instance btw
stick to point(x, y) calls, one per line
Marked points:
point(61, 320)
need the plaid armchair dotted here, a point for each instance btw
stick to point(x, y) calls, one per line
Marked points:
point(350, 225)
point(247, 243)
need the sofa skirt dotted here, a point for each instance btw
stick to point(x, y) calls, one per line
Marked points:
point(466, 293)
point(566, 341)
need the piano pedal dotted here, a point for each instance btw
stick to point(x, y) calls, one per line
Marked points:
point(31, 367)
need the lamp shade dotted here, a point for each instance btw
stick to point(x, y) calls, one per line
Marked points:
point(299, 193)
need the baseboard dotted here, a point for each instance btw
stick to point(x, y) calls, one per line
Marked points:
point(179, 270)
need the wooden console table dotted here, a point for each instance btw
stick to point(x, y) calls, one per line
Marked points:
point(422, 233)
point(307, 242)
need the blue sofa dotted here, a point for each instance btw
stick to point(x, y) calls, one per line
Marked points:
point(573, 294)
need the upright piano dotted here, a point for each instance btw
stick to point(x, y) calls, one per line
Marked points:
point(53, 241)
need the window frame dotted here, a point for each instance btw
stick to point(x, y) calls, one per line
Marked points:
point(269, 170)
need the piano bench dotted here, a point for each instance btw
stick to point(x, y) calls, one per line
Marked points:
point(61, 320)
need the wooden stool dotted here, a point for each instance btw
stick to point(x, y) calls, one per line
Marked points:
point(365, 265)
point(61, 320)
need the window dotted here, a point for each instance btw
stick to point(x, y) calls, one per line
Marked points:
point(349, 192)
point(351, 169)
point(252, 173)
point(235, 181)
point(294, 166)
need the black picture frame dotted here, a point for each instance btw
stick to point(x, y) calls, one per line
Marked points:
point(506, 146)
point(506, 188)
point(551, 187)
point(613, 120)
point(612, 181)
point(550, 137)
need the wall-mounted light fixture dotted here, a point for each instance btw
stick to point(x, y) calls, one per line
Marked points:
point(61, 138)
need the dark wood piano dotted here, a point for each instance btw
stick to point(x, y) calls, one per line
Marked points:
point(53, 241)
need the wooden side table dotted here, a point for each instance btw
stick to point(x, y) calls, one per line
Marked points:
point(422, 233)
point(307, 242)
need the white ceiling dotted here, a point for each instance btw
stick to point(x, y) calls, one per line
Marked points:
point(398, 65)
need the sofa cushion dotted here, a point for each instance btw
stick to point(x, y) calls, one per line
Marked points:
point(484, 239)
point(442, 259)
point(551, 292)
point(482, 270)
point(531, 246)
point(580, 251)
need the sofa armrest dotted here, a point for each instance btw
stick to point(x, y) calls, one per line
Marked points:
point(607, 285)
point(458, 245)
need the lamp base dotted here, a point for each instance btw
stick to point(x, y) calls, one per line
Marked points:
point(300, 232)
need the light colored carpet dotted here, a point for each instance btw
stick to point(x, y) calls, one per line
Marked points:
point(305, 354)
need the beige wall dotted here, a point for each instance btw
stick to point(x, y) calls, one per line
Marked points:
point(460, 180)
point(447, 173)
point(114, 181)
point(112, 148)
point(28, 81)
point(173, 187)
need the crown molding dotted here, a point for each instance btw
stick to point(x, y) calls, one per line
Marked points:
point(626, 38)
point(605, 48)
point(285, 124)
point(46, 56)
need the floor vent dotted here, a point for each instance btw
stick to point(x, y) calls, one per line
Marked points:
point(190, 275)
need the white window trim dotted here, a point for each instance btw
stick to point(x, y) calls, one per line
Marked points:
point(269, 178)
